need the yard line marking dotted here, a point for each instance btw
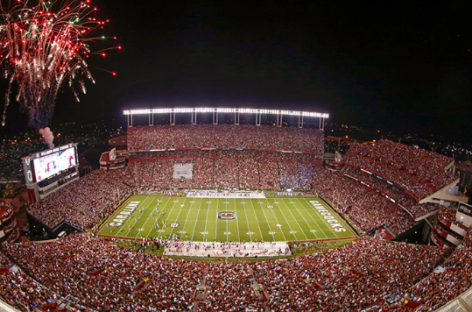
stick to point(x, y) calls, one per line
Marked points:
point(145, 209)
point(145, 222)
point(158, 216)
point(247, 220)
point(314, 220)
point(276, 220)
point(267, 220)
point(226, 209)
point(237, 221)
point(206, 220)
point(165, 206)
point(295, 219)
point(196, 221)
point(260, 232)
point(186, 219)
point(304, 220)
point(216, 226)
point(175, 202)
point(180, 211)
point(288, 223)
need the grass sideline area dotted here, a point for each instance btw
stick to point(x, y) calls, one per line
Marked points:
point(223, 219)
point(298, 250)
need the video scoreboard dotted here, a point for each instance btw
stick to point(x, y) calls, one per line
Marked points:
point(46, 170)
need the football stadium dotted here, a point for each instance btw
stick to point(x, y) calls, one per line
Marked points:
point(240, 217)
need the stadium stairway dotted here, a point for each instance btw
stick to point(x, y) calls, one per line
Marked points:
point(200, 293)
point(52, 307)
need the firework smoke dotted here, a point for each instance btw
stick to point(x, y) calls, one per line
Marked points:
point(47, 135)
point(42, 47)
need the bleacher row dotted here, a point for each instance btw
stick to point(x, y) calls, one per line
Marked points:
point(416, 170)
point(234, 169)
point(364, 207)
point(223, 136)
point(20, 291)
point(399, 195)
point(357, 276)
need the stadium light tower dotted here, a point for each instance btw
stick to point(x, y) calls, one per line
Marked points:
point(216, 111)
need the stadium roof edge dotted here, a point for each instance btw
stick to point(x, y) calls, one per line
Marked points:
point(223, 110)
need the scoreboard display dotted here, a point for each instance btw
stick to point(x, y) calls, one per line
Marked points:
point(43, 165)
point(51, 164)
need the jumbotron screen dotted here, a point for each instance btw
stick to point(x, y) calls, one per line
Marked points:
point(54, 163)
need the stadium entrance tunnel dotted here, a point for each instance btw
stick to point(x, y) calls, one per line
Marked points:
point(40, 231)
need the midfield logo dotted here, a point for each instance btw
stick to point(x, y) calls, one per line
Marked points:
point(226, 215)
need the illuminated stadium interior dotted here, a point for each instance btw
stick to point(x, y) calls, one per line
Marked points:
point(195, 192)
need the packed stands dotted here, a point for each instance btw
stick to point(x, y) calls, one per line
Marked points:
point(416, 170)
point(366, 198)
point(226, 169)
point(398, 194)
point(204, 136)
point(446, 284)
point(85, 202)
point(23, 293)
point(447, 217)
point(246, 136)
point(226, 137)
point(105, 277)
point(148, 138)
point(356, 276)
point(366, 208)
point(182, 136)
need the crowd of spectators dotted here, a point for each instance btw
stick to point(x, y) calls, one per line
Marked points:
point(86, 201)
point(93, 196)
point(249, 169)
point(182, 136)
point(444, 285)
point(105, 277)
point(349, 278)
point(270, 177)
point(415, 187)
point(447, 216)
point(445, 232)
point(366, 208)
point(21, 292)
point(417, 170)
point(203, 172)
point(228, 169)
point(398, 194)
point(226, 136)
point(229, 287)
point(147, 138)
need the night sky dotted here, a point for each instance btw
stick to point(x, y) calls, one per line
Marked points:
point(398, 65)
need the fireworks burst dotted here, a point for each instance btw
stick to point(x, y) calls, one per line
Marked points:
point(43, 46)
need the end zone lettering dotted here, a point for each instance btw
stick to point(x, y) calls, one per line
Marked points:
point(332, 221)
point(124, 213)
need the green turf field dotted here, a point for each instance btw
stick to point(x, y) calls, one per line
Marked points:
point(224, 219)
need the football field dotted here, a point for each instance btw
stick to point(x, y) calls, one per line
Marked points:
point(226, 219)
